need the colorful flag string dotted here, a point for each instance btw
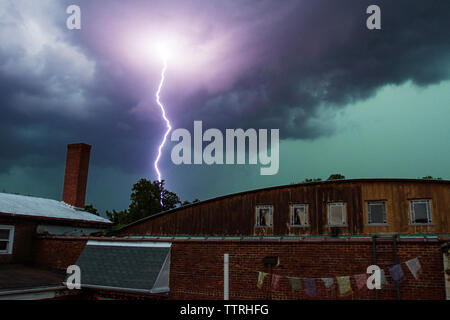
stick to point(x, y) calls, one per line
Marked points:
point(343, 282)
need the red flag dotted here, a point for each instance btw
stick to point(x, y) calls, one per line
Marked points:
point(275, 281)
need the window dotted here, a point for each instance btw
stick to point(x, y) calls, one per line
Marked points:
point(6, 239)
point(376, 212)
point(264, 216)
point(299, 215)
point(337, 214)
point(420, 211)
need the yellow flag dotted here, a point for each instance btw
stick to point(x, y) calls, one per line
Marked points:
point(345, 287)
point(261, 276)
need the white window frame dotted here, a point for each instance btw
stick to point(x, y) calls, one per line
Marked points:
point(257, 208)
point(295, 206)
point(344, 218)
point(369, 222)
point(412, 214)
point(10, 241)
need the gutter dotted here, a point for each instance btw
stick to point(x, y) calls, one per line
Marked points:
point(32, 290)
point(250, 239)
point(128, 290)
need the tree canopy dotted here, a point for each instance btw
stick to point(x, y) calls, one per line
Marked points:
point(336, 176)
point(145, 201)
point(90, 208)
point(431, 178)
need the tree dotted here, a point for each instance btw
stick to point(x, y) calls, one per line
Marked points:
point(90, 208)
point(186, 202)
point(118, 217)
point(336, 176)
point(146, 199)
point(431, 178)
point(311, 180)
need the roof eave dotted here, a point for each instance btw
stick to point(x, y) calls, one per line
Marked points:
point(63, 220)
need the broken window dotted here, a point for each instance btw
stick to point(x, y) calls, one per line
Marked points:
point(264, 216)
point(299, 215)
point(337, 214)
point(420, 211)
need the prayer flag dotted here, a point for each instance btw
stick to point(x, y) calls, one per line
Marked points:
point(328, 282)
point(261, 276)
point(415, 267)
point(275, 281)
point(296, 283)
point(361, 280)
point(345, 287)
point(396, 272)
point(310, 286)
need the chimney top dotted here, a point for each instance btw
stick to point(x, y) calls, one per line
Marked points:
point(75, 179)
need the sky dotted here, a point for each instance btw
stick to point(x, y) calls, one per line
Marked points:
point(363, 103)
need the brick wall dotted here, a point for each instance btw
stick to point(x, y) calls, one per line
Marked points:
point(76, 174)
point(197, 268)
point(23, 240)
point(58, 252)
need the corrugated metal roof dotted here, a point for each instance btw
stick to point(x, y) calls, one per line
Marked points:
point(41, 207)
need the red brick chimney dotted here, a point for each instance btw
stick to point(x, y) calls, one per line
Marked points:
point(75, 179)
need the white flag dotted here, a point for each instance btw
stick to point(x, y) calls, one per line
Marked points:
point(415, 267)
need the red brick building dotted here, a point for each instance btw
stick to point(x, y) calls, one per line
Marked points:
point(315, 230)
point(23, 219)
point(322, 230)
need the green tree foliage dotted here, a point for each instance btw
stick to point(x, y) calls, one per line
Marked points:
point(336, 176)
point(185, 203)
point(145, 201)
point(118, 218)
point(431, 178)
point(90, 208)
point(311, 180)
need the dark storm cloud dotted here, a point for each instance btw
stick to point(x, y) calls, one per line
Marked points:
point(58, 87)
point(323, 54)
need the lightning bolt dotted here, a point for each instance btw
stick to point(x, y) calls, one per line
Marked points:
point(169, 127)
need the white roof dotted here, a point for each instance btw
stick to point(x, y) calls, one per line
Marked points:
point(40, 207)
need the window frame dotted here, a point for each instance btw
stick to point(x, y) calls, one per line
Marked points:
point(292, 208)
point(9, 241)
point(344, 216)
point(412, 213)
point(375, 224)
point(263, 206)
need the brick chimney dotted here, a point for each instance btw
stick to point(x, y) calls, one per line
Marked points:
point(75, 179)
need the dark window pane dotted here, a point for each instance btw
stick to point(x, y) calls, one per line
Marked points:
point(299, 216)
point(377, 212)
point(3, 245)
point(264, 217)
point(420, 212)
point(4, 234)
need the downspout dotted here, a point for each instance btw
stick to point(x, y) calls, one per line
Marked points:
point(226, 288)
point(446, 260)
